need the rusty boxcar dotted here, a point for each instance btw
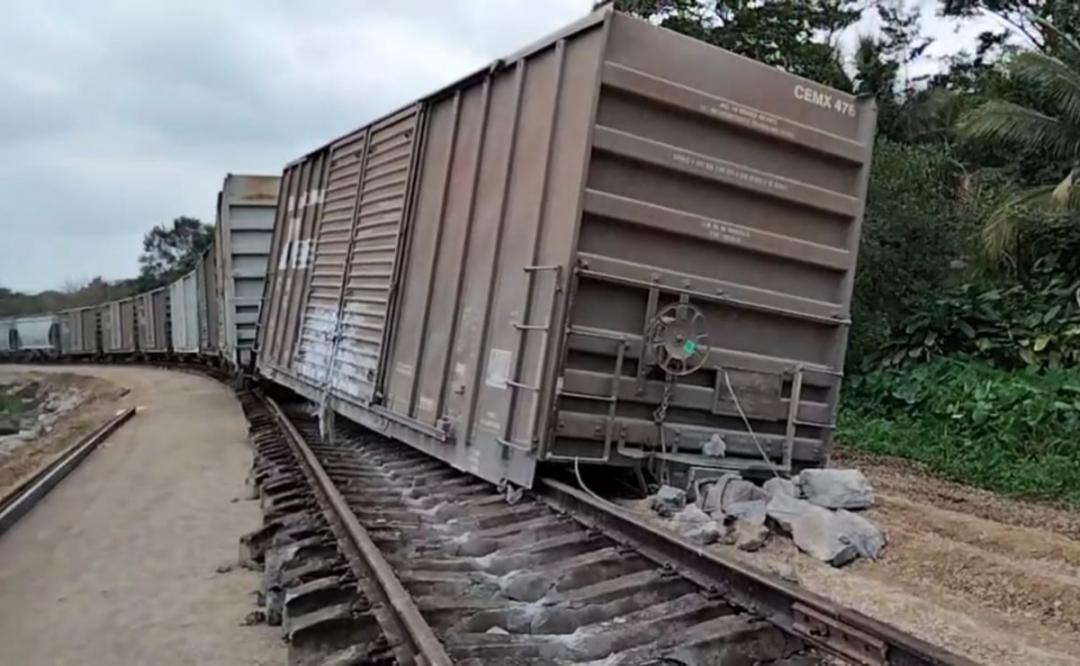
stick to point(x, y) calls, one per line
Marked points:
point(617, 246)
point(245, 223)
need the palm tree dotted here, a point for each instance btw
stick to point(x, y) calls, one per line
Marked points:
point(1055, 134)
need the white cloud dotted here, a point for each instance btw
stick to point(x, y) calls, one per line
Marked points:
point(121, 114)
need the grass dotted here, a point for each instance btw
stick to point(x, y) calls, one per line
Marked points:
point(10, 405)
point(1013, 432)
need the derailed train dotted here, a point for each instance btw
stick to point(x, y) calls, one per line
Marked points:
point(617, 246)
point(209, 314)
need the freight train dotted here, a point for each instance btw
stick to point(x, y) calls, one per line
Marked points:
point(618, 246)
point(206, 316)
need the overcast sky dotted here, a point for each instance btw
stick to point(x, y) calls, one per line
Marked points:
point(117, 115)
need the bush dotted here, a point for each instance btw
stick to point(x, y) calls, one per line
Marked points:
point(921, 222)
point(1016, 321)
point(1012, 432)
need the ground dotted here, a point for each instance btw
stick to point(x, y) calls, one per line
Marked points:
point(57, 409)
point(989, 577)
point(119, 564)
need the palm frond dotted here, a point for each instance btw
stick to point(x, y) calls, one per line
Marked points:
point(1001, 228)
point(1013, 124)
point(1059, 83)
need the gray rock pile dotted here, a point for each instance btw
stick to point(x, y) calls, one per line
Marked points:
point(815, 509)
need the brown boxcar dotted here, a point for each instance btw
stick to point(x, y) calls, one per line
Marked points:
point(79, 331)
point(617, 245)
point(152, 316)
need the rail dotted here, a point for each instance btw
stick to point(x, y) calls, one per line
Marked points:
point(841, 631)
point(400, 618)
point(16, 504)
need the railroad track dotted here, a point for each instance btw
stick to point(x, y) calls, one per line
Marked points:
point(31, 491)
point(444, 570)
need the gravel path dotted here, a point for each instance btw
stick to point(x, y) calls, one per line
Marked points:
point(118, 565)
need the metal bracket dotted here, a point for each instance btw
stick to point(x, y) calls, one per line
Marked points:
point(838, 637)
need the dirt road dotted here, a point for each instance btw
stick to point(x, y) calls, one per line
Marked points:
point(118, 565)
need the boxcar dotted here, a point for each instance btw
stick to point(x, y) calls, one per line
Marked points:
point(618, 245)
point(184, 315)
point(245, 223)
point(118, 326)
point(79, 332)
point(206, 302)
point(152, 316)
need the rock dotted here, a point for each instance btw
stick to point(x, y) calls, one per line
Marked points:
point(821, 534)
point(863, 534)
point(8, 427)
point(668, 500)
point(694, 524)
point(778, 485)
point(715, 447)
point(253, 618)
point(752, 512)
point(750, 537)
point(730, 489)
point(526, 586)
point(835, 488)
point(706, 533)
point(786, 571)
point(691, 516)
point(784, 509)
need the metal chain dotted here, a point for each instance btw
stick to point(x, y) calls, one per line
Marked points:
point(658, 417)
point(665, 401)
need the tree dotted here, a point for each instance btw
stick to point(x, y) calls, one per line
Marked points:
point(798, 36)
point(1052, 130)
point(171, 251)
point(1039, 22)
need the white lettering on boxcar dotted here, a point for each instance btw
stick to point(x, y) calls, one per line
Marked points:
point(824, 100)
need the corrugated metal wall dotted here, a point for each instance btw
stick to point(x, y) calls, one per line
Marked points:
point(329, 258)
point(376, 232)
point(291, 251)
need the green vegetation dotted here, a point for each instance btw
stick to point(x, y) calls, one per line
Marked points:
point(1013, 432)
point(10, 404)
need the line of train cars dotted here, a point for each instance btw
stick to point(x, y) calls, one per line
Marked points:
point(209, 314)
point(618, 246)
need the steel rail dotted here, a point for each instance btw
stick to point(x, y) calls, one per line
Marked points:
point(836, 629)
point(27, 494)
point(385, 590)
